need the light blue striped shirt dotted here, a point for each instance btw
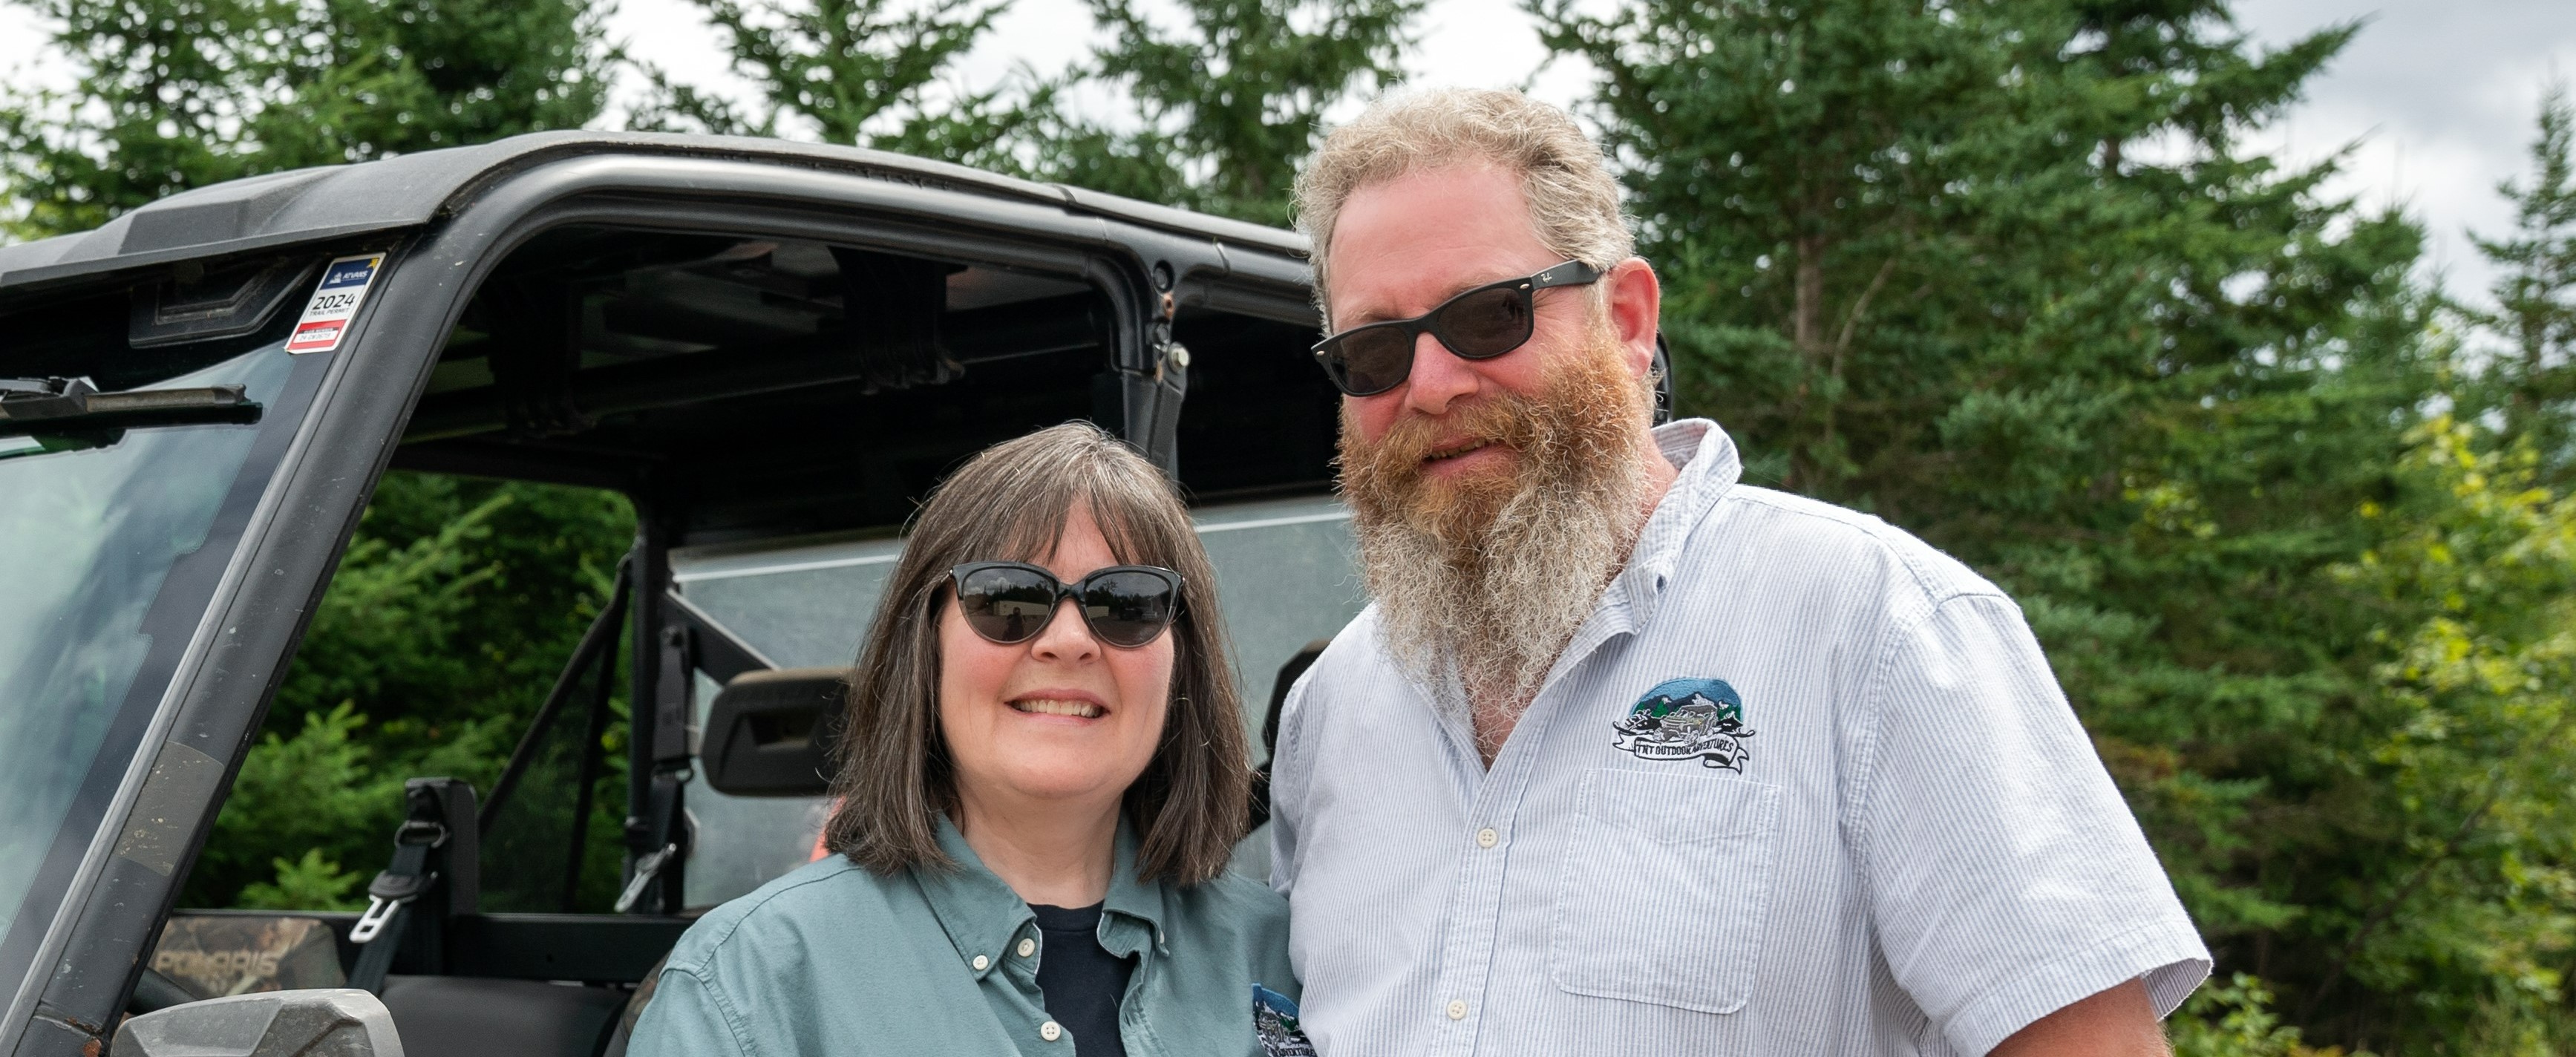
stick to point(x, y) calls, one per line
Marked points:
point(1801, 785)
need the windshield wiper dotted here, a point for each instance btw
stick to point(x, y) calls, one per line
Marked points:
point(44, 406)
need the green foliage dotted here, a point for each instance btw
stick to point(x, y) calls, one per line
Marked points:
point(1225, 104)
point(173, 94)
point(2235, 1019)
point(2472, 751)
point(1917, 260)
point(1229, 101)
point(457, 601)
point(2535, 379)
point(455, 607)
point(309, 793)
point(864, 72)
point(1866, 208)
point(309, 883)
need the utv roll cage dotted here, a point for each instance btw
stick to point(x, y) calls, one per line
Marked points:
point(755, 341)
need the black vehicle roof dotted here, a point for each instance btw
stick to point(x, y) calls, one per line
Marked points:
point(339, 201)
point(746, 434)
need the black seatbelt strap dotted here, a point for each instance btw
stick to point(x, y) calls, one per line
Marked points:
point(379, 931)
point(658, 865)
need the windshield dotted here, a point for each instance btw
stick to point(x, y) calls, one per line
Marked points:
point(111, 544)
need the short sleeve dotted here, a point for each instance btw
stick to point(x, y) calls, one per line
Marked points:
point(2006, 876)
point(1287, 786)
point(686, 1018)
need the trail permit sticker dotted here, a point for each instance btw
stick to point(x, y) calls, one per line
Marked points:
point(335, 302)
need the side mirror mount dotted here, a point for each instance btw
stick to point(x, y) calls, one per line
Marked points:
point(337, 1022)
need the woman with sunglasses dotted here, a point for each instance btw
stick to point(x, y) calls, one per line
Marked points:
point(1041, 777)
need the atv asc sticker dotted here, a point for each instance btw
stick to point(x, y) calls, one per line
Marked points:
point(1683, 719)
point(1274, 1019)
point(335, 302)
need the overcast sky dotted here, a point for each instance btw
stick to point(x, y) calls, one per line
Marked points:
point(2436, 99)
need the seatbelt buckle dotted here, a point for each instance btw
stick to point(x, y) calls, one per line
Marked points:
point(385, 895)
point(401, 883)
point(645, 869)
point(379, 911)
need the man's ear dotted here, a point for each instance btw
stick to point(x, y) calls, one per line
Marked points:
point(1636, 303)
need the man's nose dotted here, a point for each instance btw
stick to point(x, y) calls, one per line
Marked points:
point(1439, 377)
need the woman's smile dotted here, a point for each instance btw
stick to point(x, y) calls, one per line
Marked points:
point(1061, 704)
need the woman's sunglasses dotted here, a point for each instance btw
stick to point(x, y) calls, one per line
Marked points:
point(1480, 324)
point(1011, 602)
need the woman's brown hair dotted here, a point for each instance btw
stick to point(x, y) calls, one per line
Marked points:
point(1011, 503)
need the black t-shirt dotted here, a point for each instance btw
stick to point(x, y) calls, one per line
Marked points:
point(1082, 982)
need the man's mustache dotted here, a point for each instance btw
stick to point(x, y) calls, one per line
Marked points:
point(1397, 459)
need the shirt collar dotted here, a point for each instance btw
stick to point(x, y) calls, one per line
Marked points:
point(1130, 902)
point(1709, 467)
point(982, 915)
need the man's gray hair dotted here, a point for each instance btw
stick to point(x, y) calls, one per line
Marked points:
point(1573, 199)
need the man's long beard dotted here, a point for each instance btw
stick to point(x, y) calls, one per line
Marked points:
point(1494, 572)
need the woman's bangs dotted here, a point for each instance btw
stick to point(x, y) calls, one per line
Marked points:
point(1026, 523)
point(1131, 522)
point(1135, 535)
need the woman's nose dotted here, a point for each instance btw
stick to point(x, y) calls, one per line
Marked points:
point(1066, 637)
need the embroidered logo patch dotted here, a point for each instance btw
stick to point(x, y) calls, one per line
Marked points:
point(1683, 719)
point(1274, 1019)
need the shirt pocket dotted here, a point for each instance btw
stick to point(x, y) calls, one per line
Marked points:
point(1665, 889)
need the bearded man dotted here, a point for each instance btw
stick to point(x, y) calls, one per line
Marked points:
point(1626, 756)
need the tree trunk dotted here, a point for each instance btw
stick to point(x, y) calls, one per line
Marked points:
point(1807, 332)
point(1807, 325)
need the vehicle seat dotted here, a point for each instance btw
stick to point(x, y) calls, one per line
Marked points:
point(1259, 813)
point(465, 1016)
point(625, 1030)
point(210, 954)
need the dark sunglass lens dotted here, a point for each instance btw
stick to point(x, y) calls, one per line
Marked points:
point(1006, 605)
point(1127, 608)
point(1486, 322)
point(1376, 359)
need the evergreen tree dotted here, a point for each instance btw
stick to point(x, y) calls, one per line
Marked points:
point(1999, 271)
point(860, 72)
point(455, 607)
point(1226, 104)
point(2536, 294)
point(173, 94)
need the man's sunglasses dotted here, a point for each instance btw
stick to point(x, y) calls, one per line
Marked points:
point(1011, 602)
point(1479, 324)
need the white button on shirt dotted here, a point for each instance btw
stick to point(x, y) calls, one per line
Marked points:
point(1801, 784)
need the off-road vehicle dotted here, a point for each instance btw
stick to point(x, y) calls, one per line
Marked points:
point(773, 350)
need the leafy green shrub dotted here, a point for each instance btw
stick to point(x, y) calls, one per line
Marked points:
point(309, 883)
point(2235, 1019)
point(455, 607)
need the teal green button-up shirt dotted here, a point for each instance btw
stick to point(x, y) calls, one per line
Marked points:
point(832, 960)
